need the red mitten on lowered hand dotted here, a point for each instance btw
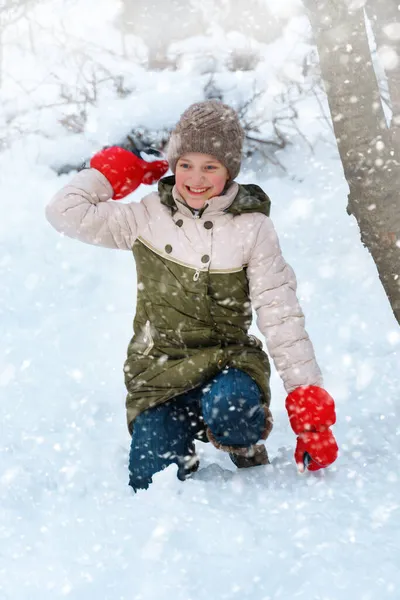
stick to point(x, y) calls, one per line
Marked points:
point(125, 171)
point(311, 412)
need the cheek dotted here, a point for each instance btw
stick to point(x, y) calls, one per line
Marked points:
point(218, 181)
point(179, 181)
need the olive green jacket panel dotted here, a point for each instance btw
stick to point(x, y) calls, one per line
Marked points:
point(186, 331)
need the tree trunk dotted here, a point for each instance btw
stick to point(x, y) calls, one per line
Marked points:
point(366, 146)
point(385, 18)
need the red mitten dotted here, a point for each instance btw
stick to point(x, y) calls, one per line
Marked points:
point(315, 450)
point(125, 171)
point(311, 412)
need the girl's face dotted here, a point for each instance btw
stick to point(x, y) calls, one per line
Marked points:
point(199, 177)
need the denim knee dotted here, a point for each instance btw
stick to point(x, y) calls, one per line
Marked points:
point(161, 436)
point(232, 408)
point(144, 455)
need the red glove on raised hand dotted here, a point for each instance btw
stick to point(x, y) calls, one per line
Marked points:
point(125, 171)
point(311, 412)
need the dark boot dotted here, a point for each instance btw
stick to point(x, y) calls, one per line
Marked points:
point(188, 464)
point(252, 456)
point(257, 455)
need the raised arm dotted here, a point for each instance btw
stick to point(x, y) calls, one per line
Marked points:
point(82, 210)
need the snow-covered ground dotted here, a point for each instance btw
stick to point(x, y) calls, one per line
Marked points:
point(69, 524)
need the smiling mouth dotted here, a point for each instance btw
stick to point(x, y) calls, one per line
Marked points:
point(197, 191)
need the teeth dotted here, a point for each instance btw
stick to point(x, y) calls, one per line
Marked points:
point(197, 190)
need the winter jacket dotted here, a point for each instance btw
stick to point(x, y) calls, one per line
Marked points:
point(198, 277)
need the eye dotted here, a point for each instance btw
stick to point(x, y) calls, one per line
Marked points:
point(183, 165)
point(211, 167)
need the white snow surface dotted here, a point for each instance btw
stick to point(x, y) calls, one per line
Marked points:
point(70, 526)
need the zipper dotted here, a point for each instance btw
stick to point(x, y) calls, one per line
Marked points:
point(201, 211)
point(196, 275)
point(148, 338)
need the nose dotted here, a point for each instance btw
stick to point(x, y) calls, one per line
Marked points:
point(197, 176)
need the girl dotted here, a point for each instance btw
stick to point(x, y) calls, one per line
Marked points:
point(206, 252)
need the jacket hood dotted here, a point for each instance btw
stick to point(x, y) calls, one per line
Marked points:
point(250, 198)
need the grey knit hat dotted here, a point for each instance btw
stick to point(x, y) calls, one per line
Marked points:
point(212, 128)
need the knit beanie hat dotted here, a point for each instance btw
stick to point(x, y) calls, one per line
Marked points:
point(209, 127)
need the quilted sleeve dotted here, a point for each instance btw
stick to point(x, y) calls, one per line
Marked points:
point(80, 210)
point(279, 316)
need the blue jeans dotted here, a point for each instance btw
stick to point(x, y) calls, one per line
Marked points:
point(230, 405)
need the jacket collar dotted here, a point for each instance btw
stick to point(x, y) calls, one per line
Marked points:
point(237, 199)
